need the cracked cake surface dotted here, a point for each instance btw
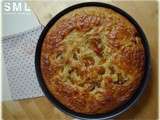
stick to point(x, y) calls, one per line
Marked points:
point(92, 60)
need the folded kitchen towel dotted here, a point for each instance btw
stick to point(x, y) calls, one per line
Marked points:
point(19, 54)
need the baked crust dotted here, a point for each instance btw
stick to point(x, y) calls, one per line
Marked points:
point(92, 60)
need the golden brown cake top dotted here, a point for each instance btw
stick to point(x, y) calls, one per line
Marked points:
point(92, 60)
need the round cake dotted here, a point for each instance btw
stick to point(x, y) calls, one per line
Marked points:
point(92, 60)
